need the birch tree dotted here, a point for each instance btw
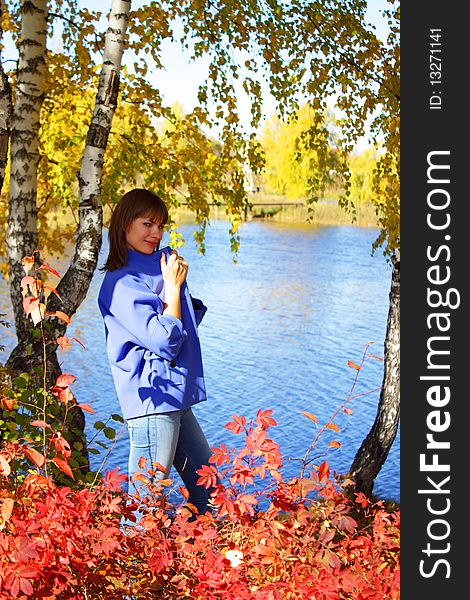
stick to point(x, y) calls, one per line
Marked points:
point(22, 236)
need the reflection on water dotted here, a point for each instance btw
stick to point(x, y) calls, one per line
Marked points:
point(282, 323)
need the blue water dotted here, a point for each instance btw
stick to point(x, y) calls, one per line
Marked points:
point(281, 325)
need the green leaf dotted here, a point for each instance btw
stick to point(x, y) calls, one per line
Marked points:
point(110, 433)
point(20, 382)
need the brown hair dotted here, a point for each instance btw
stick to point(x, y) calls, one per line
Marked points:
point(133, 204)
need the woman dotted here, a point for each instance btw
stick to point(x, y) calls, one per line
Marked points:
point(152, 343)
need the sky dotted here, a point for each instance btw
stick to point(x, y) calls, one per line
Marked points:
point(183, 87)
point(178, 82)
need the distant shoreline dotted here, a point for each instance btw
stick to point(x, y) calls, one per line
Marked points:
point(325, 212)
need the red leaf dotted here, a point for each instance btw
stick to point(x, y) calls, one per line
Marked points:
point(113, 479)
point(65, 380)
point(32, 306)
point(220, 455)
point(159, 467)
point(63, 466)
point(7, 403)
point(348, 411)
point(60, 315)
point(208, 476)
point(79, 342)
point(63, 393)
point(30, 285)
point(184, 492)
point(63, 342)
point(62, 445)
point(53, 290)
point(333, 427)
point(264, 418)
point(353, 365)
point(236, 425)
point(348, 524)
point(323, 470)
point(331, 559)
point(362, 499)
point(6, 508)
point(87, 408)
point(40, 424)
point(30, 303)
point(36, 457)
point(50, 269)
point(26, 587)
point(334, 444)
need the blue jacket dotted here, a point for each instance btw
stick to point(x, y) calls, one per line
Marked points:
point(155, 359)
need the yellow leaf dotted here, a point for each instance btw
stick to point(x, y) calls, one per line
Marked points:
point(27, 262)
point(53, 290)
point(6, 509)
point(38, 312)
point(5, 466)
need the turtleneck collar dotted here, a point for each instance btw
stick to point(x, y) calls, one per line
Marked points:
point(145, 261)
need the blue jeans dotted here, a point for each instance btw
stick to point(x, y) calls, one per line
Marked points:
point(173, 438)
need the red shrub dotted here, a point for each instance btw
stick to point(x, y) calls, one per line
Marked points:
point(267, 538)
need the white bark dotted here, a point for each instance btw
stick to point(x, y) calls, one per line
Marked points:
point(106, 100)
point(29, 94)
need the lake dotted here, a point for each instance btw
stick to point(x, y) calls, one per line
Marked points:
point(282, 323)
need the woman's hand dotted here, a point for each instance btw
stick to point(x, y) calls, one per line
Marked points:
point(174, 271)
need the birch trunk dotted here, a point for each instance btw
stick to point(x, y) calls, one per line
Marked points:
point(22, 236)
point(375, 448)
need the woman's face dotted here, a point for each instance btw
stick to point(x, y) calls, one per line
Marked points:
point(144, 235)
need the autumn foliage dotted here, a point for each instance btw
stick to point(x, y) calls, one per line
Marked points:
point(265, 538)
